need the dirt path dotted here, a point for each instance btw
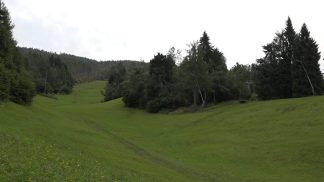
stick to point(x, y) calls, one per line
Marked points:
point(180, 168)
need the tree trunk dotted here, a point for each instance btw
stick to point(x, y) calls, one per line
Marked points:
point(205, 100)
point(203, 97)
point(309, 80)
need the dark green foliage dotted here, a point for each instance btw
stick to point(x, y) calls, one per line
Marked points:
point(15, 82)
point(290, 67)
point(195, 72)
point(154, 88)
point(307, 77)
point(274, 79)
point(220, 88)
point(21, 88)
point(205, 52)
point(287, 41)
point(266, 73)
point(201, 78)
point(4, 83)
point(206, 73)
point(153, 106)
point(160, 83)
point(55, 73)
point(288, 64)
point(50, 74)
point(285, 50)
point(116, 77)
point(160, 76)
point(134, 94)
point(240, 75)
point(82, 69)
point(58, 76)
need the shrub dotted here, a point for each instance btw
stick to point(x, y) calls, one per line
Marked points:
point(153, 106)
point(22, 89)
point(4, 83)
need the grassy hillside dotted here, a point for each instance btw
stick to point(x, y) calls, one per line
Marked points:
point(75, 137)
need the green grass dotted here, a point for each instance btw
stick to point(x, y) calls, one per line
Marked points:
point(77, 138)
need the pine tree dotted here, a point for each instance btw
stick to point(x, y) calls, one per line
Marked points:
point(286, 43)
point(307, 77)
point(267, 71)
point(205, 51)
point(15, 82)
point(7, 44)
point(216, 70)
point(275, 69)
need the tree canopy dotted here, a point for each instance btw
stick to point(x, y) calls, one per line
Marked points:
point(15, 82)
point(290, 67)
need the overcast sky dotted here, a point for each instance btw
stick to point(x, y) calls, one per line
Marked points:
point(138, 29)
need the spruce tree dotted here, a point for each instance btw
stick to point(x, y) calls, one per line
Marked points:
point(205, 51)
point(266, 69)
point(285, 64)
point(216, 70)
point(15, 82)
point(7, 44)
point(5, 49)
point(275, 78)
point(307, 77)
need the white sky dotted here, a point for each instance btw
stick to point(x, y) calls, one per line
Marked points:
point(138, 29)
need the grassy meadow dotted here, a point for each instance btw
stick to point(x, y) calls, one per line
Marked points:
point(77, 138)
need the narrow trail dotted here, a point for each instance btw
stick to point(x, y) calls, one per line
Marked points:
point(180, 168)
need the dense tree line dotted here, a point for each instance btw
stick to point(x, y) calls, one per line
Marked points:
point(82, 69)
point(15, 81)
point(50, 74)
point(201, 78)
point(290, 67)
point(57, 73)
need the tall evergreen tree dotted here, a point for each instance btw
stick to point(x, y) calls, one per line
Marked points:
point(216, 70)
point(7, 43)
point(266, 71)
point(287, 41)
point(307, 77)
point(205, 51)
point(4, 83)
point(15, 82)
point(274, 71)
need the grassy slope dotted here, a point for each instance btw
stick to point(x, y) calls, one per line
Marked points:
point(78, 138)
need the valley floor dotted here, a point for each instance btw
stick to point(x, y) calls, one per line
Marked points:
point(77, 138)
